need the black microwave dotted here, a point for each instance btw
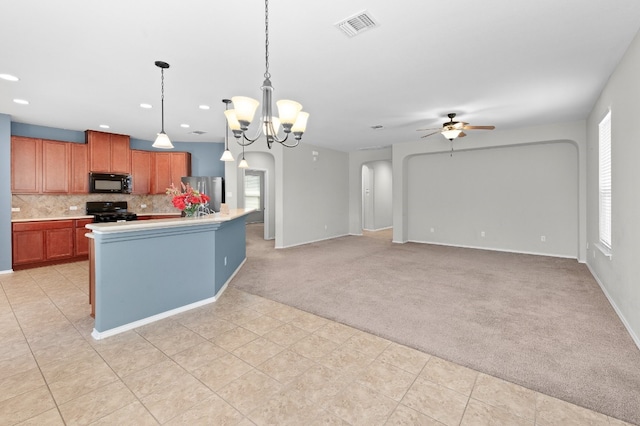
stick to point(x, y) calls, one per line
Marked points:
point(110, 183)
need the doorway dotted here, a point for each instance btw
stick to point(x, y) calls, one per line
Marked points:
point(254, 195)
point(377, 195)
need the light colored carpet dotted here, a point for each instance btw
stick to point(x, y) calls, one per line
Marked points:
point(540, 322)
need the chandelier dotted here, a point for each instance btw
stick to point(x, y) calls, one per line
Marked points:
point(291, 117)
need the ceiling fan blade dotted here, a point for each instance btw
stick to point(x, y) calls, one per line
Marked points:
point(430, 134)
point(479, 127)
point(426, 130)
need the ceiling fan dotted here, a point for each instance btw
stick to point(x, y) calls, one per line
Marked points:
point(454, 129)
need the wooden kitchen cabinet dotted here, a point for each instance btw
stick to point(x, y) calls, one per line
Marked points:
point(81, 247)
point(180, 166)
point(40, 166)
point(26, 165)
point(79, 183)
point(28, 246)
point(55, 167)
point(141, 164)
point(108, 152)
point(42, 243)
point(168, 168)
point(59, 242)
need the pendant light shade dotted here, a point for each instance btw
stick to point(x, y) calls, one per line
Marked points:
point(162, 141)
point(226, 155)
point(243, 163)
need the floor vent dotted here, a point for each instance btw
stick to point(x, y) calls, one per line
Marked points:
point(357, 23)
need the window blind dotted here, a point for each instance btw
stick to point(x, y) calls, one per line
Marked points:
point(604, 149)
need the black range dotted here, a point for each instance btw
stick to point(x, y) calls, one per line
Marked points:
point(110, 211)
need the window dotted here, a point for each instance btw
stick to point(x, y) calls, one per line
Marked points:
point(604, 149)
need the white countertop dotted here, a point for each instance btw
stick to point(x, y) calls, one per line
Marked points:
point(39, 219)
point(84, 216)
point(136, 225)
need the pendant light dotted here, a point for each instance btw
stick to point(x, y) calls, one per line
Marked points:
point(162, 141)
point(243, 163)
point(226, 155)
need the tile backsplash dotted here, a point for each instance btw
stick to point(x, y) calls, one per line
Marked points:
point(46, 206)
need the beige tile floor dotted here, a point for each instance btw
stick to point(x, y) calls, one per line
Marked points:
point(243, 360)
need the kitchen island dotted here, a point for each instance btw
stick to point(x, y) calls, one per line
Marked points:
point(143, 271)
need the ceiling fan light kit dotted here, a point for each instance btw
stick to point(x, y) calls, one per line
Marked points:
point(454, 129)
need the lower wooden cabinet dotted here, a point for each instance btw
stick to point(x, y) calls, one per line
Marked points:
point(41, 243)
point(82, 243)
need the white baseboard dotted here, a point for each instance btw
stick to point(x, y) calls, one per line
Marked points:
point(626, 324)
point(314, 241)
point(8, 271)
point(533, 253)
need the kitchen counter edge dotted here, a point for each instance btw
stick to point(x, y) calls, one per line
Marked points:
point(134, 225)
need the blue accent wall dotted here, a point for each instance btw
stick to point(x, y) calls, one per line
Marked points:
point(205, 156)
point(43, 132)
point(5, 192)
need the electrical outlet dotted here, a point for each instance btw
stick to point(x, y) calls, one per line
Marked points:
point(433, 229)
point(482, 234)
point(225, 261)
point(73, 207)
point(143, 206)
point(15, 209)
point(325, 227)
point(543, 238)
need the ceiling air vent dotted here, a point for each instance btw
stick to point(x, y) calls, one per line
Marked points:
point(357, 23)
point(198, 132)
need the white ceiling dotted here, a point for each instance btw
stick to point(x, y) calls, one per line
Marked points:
point(509, 63)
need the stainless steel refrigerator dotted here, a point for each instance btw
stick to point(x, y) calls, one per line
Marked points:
point(209, 185)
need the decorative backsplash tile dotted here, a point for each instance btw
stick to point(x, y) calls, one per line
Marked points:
point(45, 206)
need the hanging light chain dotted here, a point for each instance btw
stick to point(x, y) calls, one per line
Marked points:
point(267, 74)
point(162, 97)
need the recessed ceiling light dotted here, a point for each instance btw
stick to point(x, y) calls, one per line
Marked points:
point(9, 77)
point(104, 126)
point(21, 101)
point(186, 126)
point(146, 106)
point(203, 106)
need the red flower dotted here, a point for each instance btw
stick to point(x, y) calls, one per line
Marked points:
point(188, 198)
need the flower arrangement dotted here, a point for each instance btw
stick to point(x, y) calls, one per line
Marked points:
point(187, 199)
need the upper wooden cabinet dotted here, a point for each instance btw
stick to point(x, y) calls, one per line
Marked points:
point(79, 169)
point(168, 168)
point(55, 167)
point(26, 165)
point(108, 152)
point(141, 164)
point(39, 166)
